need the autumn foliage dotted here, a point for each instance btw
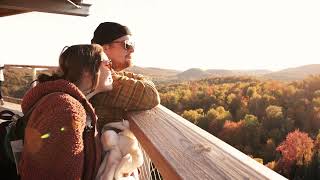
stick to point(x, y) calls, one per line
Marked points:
point(257, 117)
point(297, 149)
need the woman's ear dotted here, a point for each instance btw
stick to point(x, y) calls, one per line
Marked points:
point(85, 83)
point(86, 77)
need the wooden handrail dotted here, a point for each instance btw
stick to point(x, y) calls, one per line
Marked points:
point(33, 67)
point(12, 99)
point(181, 150)
point(28, 66)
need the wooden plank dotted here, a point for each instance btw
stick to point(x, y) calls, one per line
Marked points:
point(149, 144)
point(181, 150)
point(16, 108)
point(9, 12)
point(28, 66)
point(50, 6)
point(12, 100)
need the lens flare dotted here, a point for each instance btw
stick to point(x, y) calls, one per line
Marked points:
point(45, 136)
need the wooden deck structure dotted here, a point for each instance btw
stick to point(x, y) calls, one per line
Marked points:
point(181, 150)
point(69, 7)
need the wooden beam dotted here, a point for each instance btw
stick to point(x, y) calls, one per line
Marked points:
point(13, 101)
point(181, 150)
point(28, 66)
point(49, 6)
point(9, 12)
point(12, 106)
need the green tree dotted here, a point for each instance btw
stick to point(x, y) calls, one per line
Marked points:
point(193, 115)
point(274, 117)
point(251, 91)
point(269, 150)
point(216, 118)
point(251, 133)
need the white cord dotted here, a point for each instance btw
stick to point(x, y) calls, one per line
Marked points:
point(79, 7)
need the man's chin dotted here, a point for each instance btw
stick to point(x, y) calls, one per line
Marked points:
point(122, 66)
point(127, 64)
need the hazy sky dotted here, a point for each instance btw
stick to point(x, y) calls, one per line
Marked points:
point(179, 34)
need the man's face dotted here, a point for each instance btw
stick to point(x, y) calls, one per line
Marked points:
point(119, 51)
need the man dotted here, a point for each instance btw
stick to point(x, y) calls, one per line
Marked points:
point(130, 91)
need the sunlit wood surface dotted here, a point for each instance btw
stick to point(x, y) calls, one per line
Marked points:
point(50, 6)
point(16, 108)
point(181, 150)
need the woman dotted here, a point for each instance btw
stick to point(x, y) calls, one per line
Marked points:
point(61, 141)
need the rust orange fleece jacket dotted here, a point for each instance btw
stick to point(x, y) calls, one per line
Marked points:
point(57, 145)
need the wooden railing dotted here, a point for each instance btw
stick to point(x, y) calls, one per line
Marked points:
point(181, 150)
point(34, 76)
point(33, 67)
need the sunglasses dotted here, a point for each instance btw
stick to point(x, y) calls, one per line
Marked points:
point(126, 44)
point(107, 63)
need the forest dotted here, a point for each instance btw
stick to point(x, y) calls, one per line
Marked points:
point(277, 123)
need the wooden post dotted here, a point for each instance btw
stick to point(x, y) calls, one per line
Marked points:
point(34, 76)
point(49, 6)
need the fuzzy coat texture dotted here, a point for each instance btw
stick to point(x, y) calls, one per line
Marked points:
point(57, 143)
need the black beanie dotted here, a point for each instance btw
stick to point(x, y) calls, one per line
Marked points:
point(109, 31)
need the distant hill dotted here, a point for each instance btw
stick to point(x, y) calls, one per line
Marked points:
point(297, 73)
point(219, 72)
point(290, 74)
point(151, 71)
point(193, 74)
point(156, 74)
point(223, 72)
point(196, 73)
point(256, 72)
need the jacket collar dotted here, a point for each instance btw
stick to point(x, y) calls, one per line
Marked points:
point(45, 88)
